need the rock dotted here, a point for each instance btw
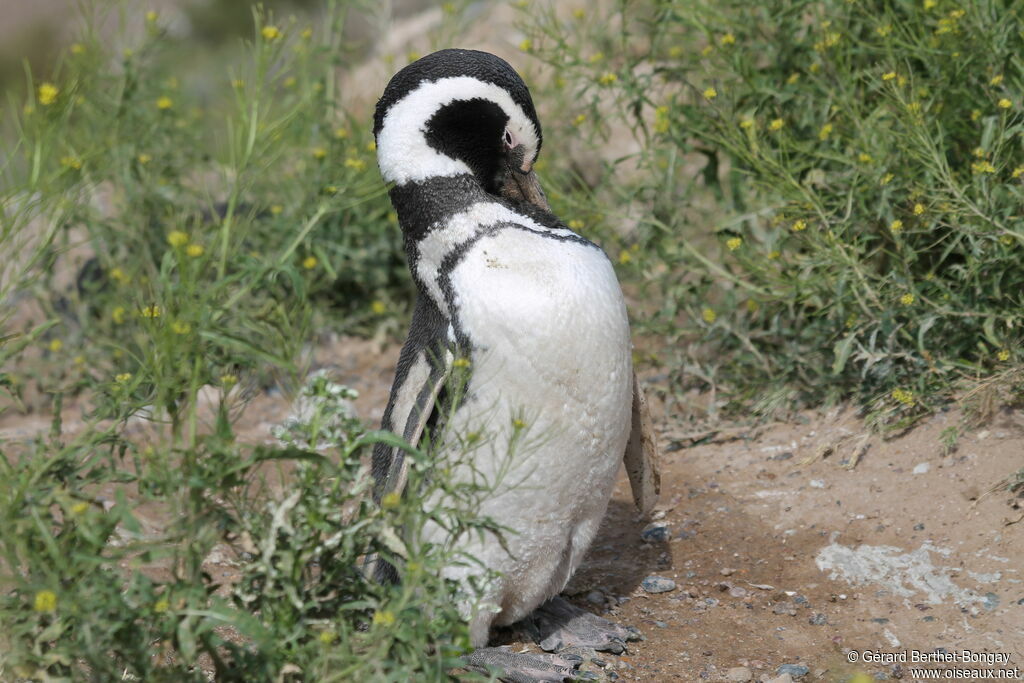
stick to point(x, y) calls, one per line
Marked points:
point(818, 619)
point(658, 584)
point(741, 674)
point(794, 670)
point(726, 571)
point(784, 608)
point(655, 533)
point(738, 592)
point(817, 483)
point(661, 624)
point(919, 527)
point(921, 468)
point(991, 601)
point(784, 678)
point(595, 598)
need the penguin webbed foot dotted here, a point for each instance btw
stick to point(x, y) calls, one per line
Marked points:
point(559, 624)
point(517, 667)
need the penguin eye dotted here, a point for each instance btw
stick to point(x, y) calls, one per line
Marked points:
point(509, 142)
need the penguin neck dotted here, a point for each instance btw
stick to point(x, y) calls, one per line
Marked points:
point(422, 205)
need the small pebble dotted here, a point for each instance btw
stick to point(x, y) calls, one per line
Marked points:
point(784, 678)
point(655, 533)
point(661, 624)
point(595, 598)
point(784, 608)
point(710, 602)
point(738, 592)
point(740, 674)
point(800, 600)
point(658, 584)
point(817, 483)
point(794, 670)
point(991, 601)
point(921, 468)
point(818, 619)
point(781, 456)
point(727, 571)
point(919, 527)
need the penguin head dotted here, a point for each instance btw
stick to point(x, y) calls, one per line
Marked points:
point(460, 112)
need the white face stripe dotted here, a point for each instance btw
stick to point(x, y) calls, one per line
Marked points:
point(460, 228)
point(402, 150)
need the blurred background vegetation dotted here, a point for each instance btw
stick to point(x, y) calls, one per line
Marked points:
point(808, 202)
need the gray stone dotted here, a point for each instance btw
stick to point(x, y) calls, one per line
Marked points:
point(658, 584)
point(818, 619)
point(741, 674)
point(794, 670)
point(655, 533)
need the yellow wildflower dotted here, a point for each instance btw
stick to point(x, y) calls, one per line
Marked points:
point(270, 32)
point(384, 618)
point(884, 30)
point(675, 51)
point(864, 158)
point(151, 16)
point(371, 146)
point(710, 94)
point(461, 363)
point(290, 82)
point(328, 637)
point(71, 162)
point(996, 80)
point(306, 34)
point(1017, 172)
point(47, 94)
point(45, 601)
point(799, 225)
point(746, 123)
point(526, 45)
point(975, 115)
point(79, 360)
point(177, 238)
point(793, 78)
point(889, 76)
point(378, 307)
point(117, 315)
point(607, 78)
point(903, 396)
point(355, 164)
point(776, 124)
point(625, 257)
point(709, 315)
point(918, 209)
point(195, 250)
point(56, 345)
point(596, 57)
point(886, 179)
point(706, 50)
point(734, 243)
point(907, 299)
point(983, 167)
point(144, 158)
point(727, 39)
point(276, 209)
point(228, 380)
point(1003, 355)
point(774, 254)
point(181, 327)
point(580, 118)
point(896, 226)
point(120, 276)
point(341, 133)
point(318, 152)
point(161, 606)
point(164, 102)
point(752, 306)
point(825, 131)
point(575, 224)
point(122, 377)
point(1004, 103)
point(578, 13)
point(77, 48)
point(815, 67)
point(309, 263)
point(151, 312)
point(391, 500)
point(661, 120)
point(930, 4)
point(79, 508)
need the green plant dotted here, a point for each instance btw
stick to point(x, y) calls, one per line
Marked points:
point(829, 192)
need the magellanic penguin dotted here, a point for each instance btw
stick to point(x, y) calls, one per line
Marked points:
point(536, 314)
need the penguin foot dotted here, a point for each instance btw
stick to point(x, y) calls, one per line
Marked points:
point(560, 624)
point(516, 667)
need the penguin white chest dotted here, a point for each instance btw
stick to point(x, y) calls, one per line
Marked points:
point(550, 338)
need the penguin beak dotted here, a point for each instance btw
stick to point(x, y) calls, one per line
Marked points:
point(521, 183)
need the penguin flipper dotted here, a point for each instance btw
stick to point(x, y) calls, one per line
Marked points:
point(424, 365)
point(642, 459)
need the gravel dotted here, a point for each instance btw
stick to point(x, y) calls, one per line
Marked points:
point(740, 674)
point(658, 584)
point(794, 670)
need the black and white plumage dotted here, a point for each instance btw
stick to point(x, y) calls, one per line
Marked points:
point(533, 307)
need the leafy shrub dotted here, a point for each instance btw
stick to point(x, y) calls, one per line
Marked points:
point(859, 164)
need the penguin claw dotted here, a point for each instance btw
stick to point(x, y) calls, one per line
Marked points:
point(516, 667)
point(559, 624)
